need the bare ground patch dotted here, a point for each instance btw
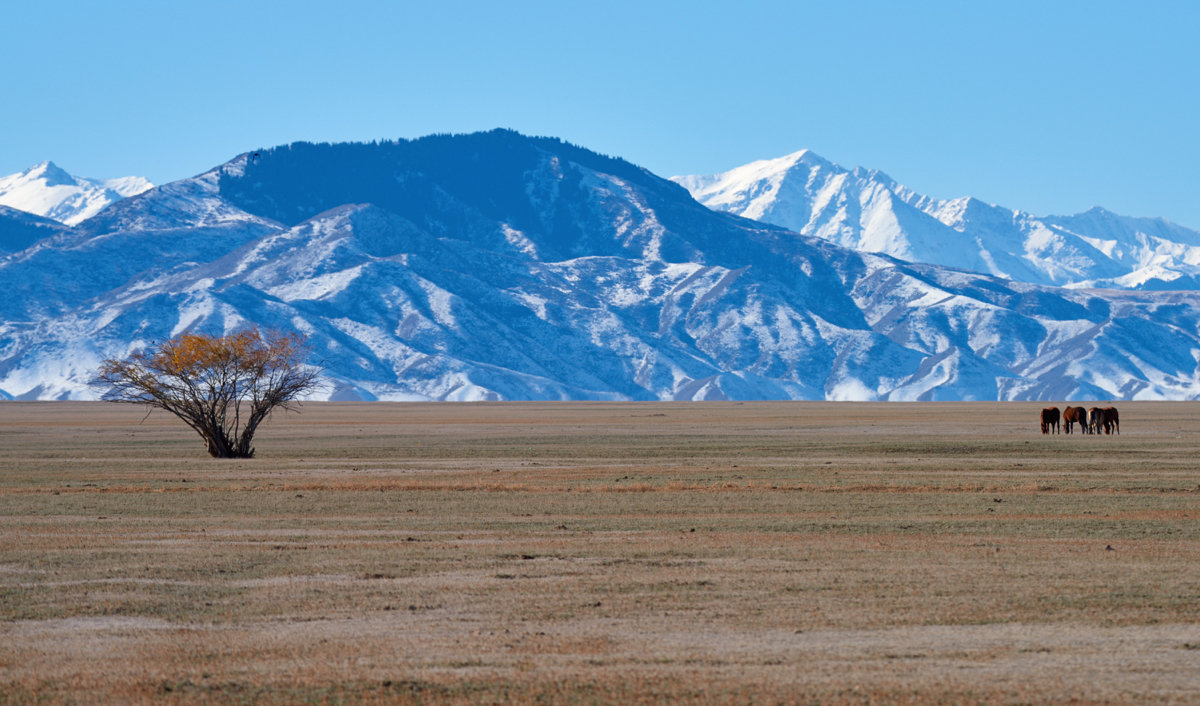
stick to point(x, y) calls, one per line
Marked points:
point(121, 658)
point(631, 553)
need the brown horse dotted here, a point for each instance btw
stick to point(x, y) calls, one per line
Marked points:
point(1097, 419)
point(1050, 420)
point(1082, 415)
point(1112, 421)
point(1071, 415)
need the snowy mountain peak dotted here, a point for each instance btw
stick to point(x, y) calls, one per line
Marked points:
point(802, 159)
point(767, 189)
point(50, 174)
point(128, 186)
point(47, 190)
point(867, 210)
point(764, 170)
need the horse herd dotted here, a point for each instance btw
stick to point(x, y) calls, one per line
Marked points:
point(1091, 421)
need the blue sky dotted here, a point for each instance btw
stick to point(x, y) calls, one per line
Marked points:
point(1051, 107)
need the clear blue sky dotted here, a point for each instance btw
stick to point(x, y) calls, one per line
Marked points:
point(1048, 106)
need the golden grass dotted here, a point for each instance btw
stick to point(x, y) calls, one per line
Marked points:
point(601, 552)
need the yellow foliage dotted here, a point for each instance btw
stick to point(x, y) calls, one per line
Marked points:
point(245, 350)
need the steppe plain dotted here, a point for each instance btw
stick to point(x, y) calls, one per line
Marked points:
point(769, 552)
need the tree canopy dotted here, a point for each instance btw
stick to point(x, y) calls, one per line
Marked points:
point(224, 387)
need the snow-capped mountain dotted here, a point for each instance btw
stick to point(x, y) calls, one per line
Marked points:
point(867, 210)
point(48, 191)
point(499, 266)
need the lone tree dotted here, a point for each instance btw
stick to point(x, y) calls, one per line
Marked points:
point(223, 387)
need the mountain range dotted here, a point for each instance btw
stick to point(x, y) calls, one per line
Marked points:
point(500, 266)
point(867, 210)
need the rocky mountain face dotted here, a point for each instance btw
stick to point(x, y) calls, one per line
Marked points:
point(499, 266)
point(869, 211)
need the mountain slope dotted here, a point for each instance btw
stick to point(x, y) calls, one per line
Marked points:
point(19, 229)
point(867, 210)
point(48, 191)
point(498, 266)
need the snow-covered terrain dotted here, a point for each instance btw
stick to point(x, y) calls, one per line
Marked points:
point(867, 210)
point(48, 191)
point(499, 266)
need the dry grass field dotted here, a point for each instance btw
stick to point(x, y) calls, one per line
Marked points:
point(596, 553)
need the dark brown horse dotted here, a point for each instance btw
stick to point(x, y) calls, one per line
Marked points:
point(1082, 415)
point(1097, 419)
point(1050, 420)
point(1073, 415)
point(1112, 421)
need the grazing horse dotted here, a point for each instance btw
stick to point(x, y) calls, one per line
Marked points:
point(1098, 420)
point(1071, 415)
point(1112, 421)
point(1081, 415)
point(1050, 420)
